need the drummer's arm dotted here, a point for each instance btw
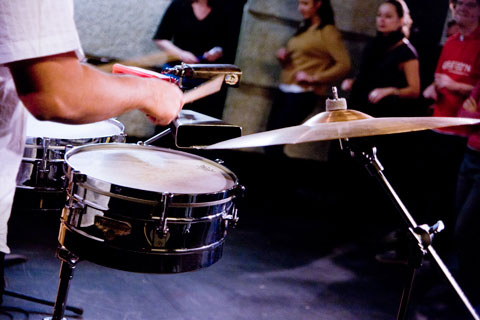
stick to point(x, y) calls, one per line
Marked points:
point(60, 88)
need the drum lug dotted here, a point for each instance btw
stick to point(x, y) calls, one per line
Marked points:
point(76, 212)
point(233, 217)
point(43, 168)
point(219, 161)
point(160, 214)
point(79, 177)
point(239, 194)
point(121, 138)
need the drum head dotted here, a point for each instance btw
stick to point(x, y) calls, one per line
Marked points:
point(49, 129)
point(150, 168)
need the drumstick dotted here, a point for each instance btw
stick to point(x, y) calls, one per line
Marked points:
point(203, 90)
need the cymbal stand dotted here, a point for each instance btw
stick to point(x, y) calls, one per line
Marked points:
point(69, 262)
point(422, 235)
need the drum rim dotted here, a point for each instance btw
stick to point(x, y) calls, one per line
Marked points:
point(226, 192)
point(113, 121)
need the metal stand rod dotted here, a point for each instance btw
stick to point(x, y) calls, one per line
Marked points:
point(155, 137)
point(66, 274)
point(372, 164)
point(402, 310)
point(69, 261)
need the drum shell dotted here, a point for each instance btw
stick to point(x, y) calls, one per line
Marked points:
point(122, 227)
point(41, 174)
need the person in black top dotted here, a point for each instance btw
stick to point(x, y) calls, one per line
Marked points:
point(388, 85)
point(191, 30)
point(201, 31)
point(389, 71)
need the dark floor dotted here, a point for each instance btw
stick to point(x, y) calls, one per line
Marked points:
point(304, 248)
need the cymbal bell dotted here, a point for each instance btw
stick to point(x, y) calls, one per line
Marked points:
point(340, 123)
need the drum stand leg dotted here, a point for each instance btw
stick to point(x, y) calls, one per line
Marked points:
point(69, 261)
point(422, 235)
point(37, 300)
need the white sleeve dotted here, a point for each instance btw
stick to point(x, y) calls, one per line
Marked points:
point(37, 28)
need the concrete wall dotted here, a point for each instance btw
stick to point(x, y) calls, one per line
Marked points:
point(121, 29)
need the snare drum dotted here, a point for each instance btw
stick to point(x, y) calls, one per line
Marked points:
point(40, 182)
point(146, 209)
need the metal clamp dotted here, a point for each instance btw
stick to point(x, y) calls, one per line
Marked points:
point(237, 198)
point(159, 214)
point(67, 256)
point(233, 217)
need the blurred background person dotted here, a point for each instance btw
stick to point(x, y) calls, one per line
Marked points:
point(388, 85)
point(452, 28)
point(458, 70)
point(467, 221)
point(314, 58)
point(201, 31)
point(194, 31)
point(388, 75)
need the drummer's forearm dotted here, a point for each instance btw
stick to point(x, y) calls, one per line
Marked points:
point(62, 89)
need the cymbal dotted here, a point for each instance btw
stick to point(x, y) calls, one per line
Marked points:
point(340, 123)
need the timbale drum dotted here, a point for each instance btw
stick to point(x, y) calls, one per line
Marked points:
point(146, 209)
point(40, 181)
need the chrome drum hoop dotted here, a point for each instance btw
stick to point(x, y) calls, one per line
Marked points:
point(162, 231)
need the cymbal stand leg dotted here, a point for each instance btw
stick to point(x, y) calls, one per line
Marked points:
point(402, 310)
point(68, 264)
point(422, 238)
point(422, 234)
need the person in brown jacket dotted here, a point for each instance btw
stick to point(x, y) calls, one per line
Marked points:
point(314, 58)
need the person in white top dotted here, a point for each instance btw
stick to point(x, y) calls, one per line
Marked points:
point(41, 71)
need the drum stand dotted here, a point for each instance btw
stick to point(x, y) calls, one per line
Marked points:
point(64, 273)
point(421, 235)
point(69, 262)
point(60, 304)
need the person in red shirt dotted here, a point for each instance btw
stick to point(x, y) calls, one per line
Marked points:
point(457, 72)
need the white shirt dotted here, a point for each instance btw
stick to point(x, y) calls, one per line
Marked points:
point(28, 29)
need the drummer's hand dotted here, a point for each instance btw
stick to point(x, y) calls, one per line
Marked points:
point(378, 94)
point(430, 92)
point(188, 57)
point(166, 101)
point(470, 104)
